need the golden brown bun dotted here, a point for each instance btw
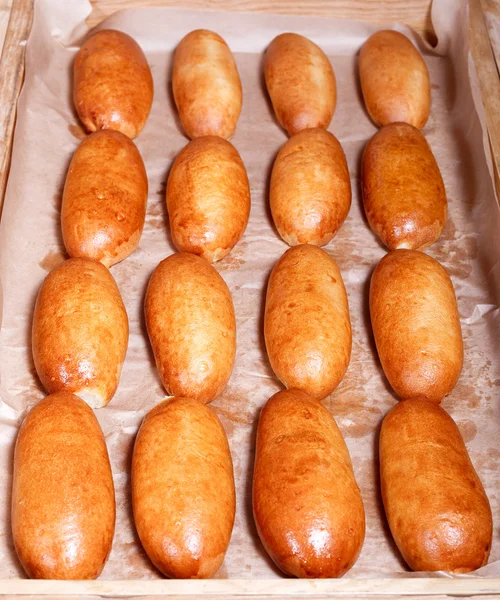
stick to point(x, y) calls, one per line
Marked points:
point(191, 325)
point(206, 85)
point(301, 83)
point(208, 198)
point(306, 502)
point(435, 503)
point(306, 325)
point(113, 87)
point(183, 489)
point(104, 200)
point(403, 191)
point(63, 499)
point(394, 80)
point(416, 325)
point(310, 192)
point(80, 331)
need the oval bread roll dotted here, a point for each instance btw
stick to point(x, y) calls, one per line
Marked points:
point(416, 325)
point(310, 192)
point(403, 191)
point(394, 80)
point(191, 325)
point(113, 87)
point(208, 198)
point(104, 200)
point(436, 506)
point(206, 85)
point(183, 489)
point(306, 502)
point(80, 331)
point(301, 83)
point(307, 327)
point(63, 499)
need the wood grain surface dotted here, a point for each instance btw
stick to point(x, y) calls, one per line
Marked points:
point(11, 79)
point(5, 6)
point(415, 13)
point(489, 82)
point(254, 589)
point(491, 9)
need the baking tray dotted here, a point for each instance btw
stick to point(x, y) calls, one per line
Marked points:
point(415, 13)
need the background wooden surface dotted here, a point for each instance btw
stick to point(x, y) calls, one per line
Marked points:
point(415, 13)
point(11, 79)
point(4, 18)
point(482, 48)
point(281, 589)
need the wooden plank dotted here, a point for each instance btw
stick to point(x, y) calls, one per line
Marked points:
point(12, 74)
point(233, 597)
point(415, 13)
point(491, 10)
point(489, 81)
point(5, 6)
point(312, 589)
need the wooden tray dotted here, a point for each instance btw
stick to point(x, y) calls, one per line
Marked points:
point(415, 13)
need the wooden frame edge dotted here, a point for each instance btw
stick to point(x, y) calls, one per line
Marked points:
point(415, 13)
point(251, 588)
point(489, 81)
point(12, 70)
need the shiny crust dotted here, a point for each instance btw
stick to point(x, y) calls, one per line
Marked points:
point(310, 193)
point(191, 325)
point(104, 200)
point(306, 502)
point(301, 83)
point(394, 80)
point(307, 326)
point(63, 499)
point(416, 325)
point(208, 198)
point(206, 85)
point(80, 331)
point(403, 191)
point(113, 87)
point(183, 489)
point(436, 506)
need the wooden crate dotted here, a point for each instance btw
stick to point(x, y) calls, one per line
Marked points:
point(415, 13)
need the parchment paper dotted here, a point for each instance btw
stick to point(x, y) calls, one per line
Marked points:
point(47, 134)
